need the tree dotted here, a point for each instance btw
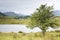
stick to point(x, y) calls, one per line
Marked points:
point(2, 15)
point(42, 18)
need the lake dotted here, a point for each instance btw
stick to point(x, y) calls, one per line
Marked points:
point(17, 28)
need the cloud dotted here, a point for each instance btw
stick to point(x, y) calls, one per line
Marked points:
point(26, 6)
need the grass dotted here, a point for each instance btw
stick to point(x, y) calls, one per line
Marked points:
point(13, 21)
point(23, 21)
point(30, 36)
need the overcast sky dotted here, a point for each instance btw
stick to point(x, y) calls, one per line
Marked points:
point(26, 6)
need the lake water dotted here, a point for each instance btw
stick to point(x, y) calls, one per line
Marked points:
point(17, 28)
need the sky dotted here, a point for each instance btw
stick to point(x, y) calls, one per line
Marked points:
point(26, 6)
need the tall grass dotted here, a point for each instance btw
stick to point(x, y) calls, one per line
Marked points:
point(30, 36)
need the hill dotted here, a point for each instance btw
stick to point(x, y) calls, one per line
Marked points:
point(57, 12)
point(1, 14)
point(13, 15)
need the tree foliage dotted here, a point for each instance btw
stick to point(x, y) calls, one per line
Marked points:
point(42, 18)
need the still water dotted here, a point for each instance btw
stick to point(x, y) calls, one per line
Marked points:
point(17, 28)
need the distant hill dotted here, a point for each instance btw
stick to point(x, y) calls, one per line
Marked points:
point(13, 15)
point(18, 16)
point(57, 12)
point(1, 14)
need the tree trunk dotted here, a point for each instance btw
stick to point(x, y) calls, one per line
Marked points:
point(43, 32)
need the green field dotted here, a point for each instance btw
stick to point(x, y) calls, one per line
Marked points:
point(23, 21)
point(30, 36)
point(13, 21)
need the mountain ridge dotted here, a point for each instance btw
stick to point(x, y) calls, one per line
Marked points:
point(16, 15)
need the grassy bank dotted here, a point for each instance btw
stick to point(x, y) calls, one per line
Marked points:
point(23, 21)
point(30, 36)
point(13, 21)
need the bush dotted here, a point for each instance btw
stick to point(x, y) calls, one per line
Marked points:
point(20, 32)
point(57, 30)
